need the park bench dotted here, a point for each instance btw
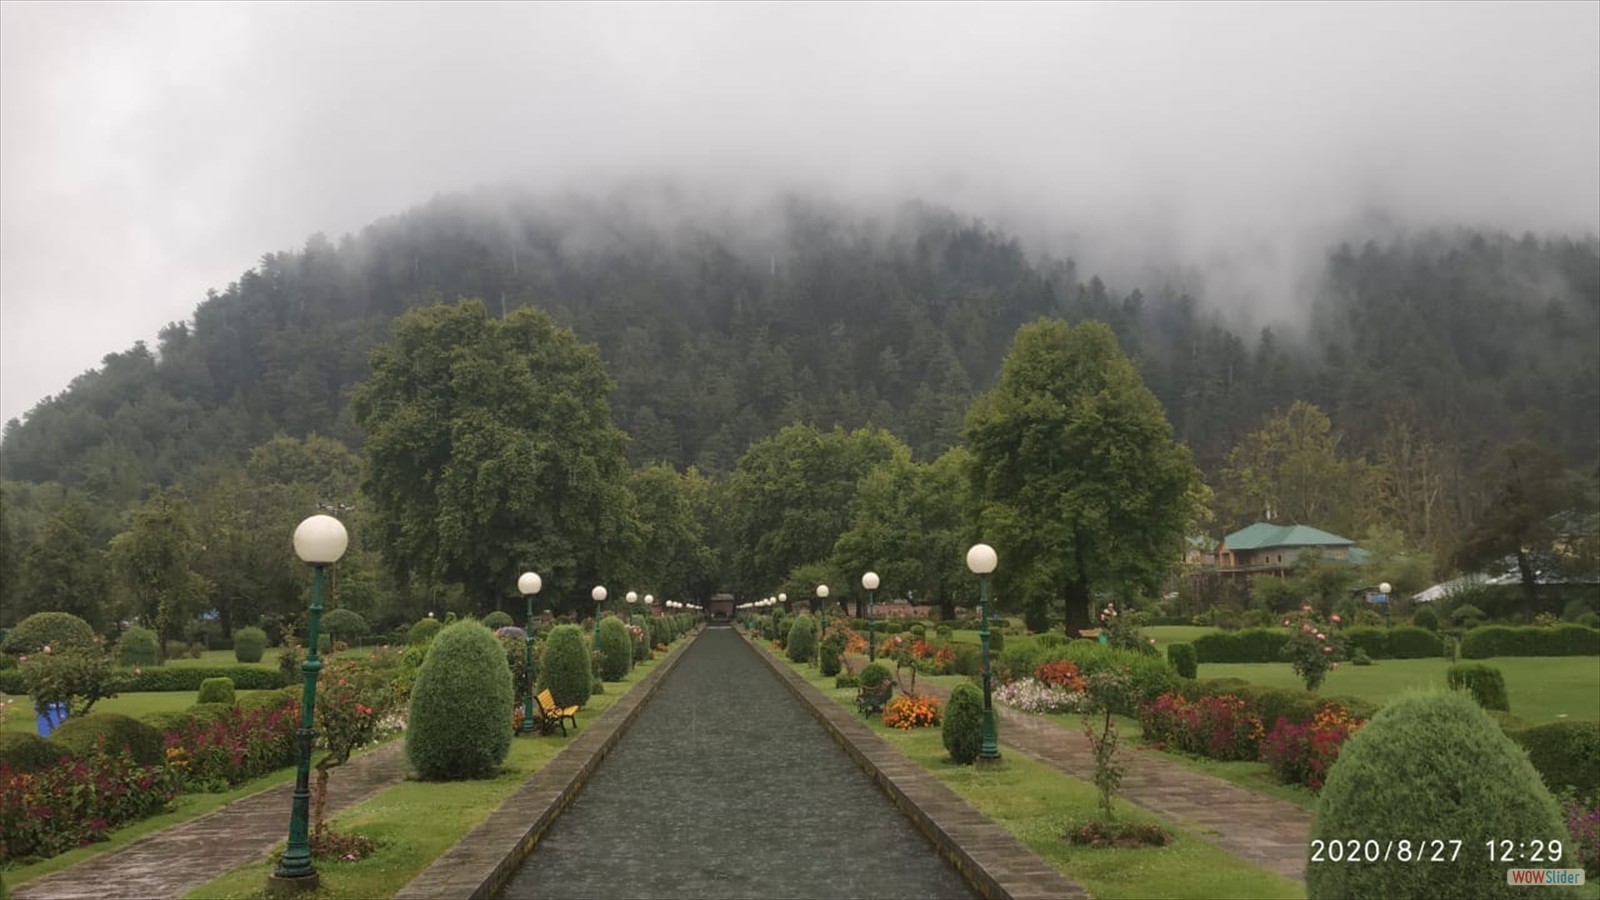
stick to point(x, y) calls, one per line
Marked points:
point(552, 716)
point(871, 700)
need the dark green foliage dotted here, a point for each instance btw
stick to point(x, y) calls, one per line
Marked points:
point(1426, 617)
point(423, 631)
point(564, 666)
point(1251, 645)
point(1430, 764)
point(497, 620)
point(1488, 641)
point(459, 724)
point(1183, 659)
point(1274, 703)
point(249, 645)
point(1466, 616)
point(25, 751)
point(918, 629)
point(1411, 642)
point(1373, 640)
point(846, 681)
point(997, 641)
point(616, 649)
point(874, 675)
point(58, 630)
point(969, 660)
point(802, 643)
point(1485, 682)
point(1588, 620)
point(137, 647)
point(963, 723)
point(830, 658)
point(216, 690)
point(1567, 755)
point(345, 625)
point(943, 631)
point(189, 678)
point(81, 735)
point(1360, 658)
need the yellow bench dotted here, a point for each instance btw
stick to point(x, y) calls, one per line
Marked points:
point(553, 716)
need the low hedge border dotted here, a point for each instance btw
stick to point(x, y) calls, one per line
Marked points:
point(1487, 641)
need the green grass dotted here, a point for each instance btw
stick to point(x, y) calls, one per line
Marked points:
point(1038, 804)
point(416, 822)
point(1174, 634)
point(22, 718)
point(1541, 688)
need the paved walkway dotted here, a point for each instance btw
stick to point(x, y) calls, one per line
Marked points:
point(177, 860)
point(1270, 833)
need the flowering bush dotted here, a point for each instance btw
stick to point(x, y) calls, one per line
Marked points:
point(65, 806)
point(909, 711)
point(214, 755)
point(76, 676)
point(1583, 824)
point(1302, 753)
point(1219, 727)
point(1061, 673)
point(1034, 696)
point(1120, 631)
point(1312, 648)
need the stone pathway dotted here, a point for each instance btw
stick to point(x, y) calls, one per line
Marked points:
point(1270, 833)
point(177, 860)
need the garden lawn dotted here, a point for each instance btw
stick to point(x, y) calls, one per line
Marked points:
point(1039, 804)
point(1177, 634)
point(22, 718)
point(416, 822)
point(1541, 688)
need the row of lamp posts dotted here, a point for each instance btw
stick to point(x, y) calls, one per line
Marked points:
point(322, 539)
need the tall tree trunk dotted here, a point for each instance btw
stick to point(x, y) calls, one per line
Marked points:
point(1530, 583)
point(1077, 607)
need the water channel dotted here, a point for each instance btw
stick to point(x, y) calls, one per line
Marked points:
point(725, 786)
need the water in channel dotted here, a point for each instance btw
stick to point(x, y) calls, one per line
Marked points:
point(725, 786)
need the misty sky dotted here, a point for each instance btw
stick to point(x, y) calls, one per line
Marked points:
point(148, 152)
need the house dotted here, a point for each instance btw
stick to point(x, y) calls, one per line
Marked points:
point(1268, 549)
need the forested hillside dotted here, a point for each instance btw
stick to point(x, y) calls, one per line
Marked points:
point(1429, 355)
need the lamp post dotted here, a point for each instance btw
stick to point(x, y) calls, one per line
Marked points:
point(1383, 597)
point(981, 560)
point(870, 582)
point(631, 597)
point(529, 585)
point(822, 599)
point(319, 540)
point(599, 596)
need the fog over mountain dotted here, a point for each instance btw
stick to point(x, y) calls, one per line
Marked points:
point(150, 152)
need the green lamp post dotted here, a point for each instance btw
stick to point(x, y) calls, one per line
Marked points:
point(319, 540)
point(599, 596)
point(529, 584)
point(981, 559)
point(822, 600)
point(870, 582)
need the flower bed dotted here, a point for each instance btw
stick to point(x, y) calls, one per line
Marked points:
point(909, 711)
point(1302, 753)
point(1220, 726)
point(1035, 696)
point(77, 802)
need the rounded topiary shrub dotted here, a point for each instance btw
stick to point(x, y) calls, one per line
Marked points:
point(963, 723)
point(997, 641)
point(137, 647)
point(1425, 617)
point(424, 631)
point(344, 625)
point(564, 666)
point(57, 630)
point(1431, 765)
point(616, 649)
point(1485, 682)
point(919, 629)
point(25, 751)
point(84, 734)
point(830, 658)
point(459, 724)
point(249, 645)
point(1183, 659)
point(802, 645)
point(1566, 754)
point(874, 675)
point(216, 690)
point(497, 620)
point(943, 631)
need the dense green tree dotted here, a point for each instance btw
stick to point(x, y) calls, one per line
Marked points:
point(489, 448)
point(153, 561)
point(789, 499)
point(674, 559)
point(65, 570)
point(1083, 489)
point(1292, 470)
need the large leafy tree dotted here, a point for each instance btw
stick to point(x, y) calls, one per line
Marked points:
point(153, 561)
point(1292, 469)
point(490, 448)
point(674, 559)
point(909, 524)
point(789, 499)
point(65, 570)
point(1083, 490)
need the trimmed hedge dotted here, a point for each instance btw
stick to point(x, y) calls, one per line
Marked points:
point(58, 630)
point(137, 647)
point(1485, 682)
point(1487, 641)
point(423, 631)
point(1567, 755)
point(459, 722)
point(216, 690)
point(1183, 659)
point(616, 649)
point(565, 666)
point(249, 645)
point(82, 735)
point(343, 624)
point(962, 730)
point(1411, 642)
point(1251, 645)
point(25, 751)
point(497, 620)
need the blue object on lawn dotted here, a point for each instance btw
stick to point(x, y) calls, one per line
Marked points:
point(51, 719)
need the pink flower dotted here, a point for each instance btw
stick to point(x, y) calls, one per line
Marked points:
point(137, 671)
point(1336, 618)
point(1306, 607)
point(1321, 636)
point(1306, 628)
point(1335, 665)
point(1286, 623)
point(47, 650)
point(1327, 649)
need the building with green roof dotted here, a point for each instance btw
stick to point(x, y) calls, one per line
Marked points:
point(1268, 549)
